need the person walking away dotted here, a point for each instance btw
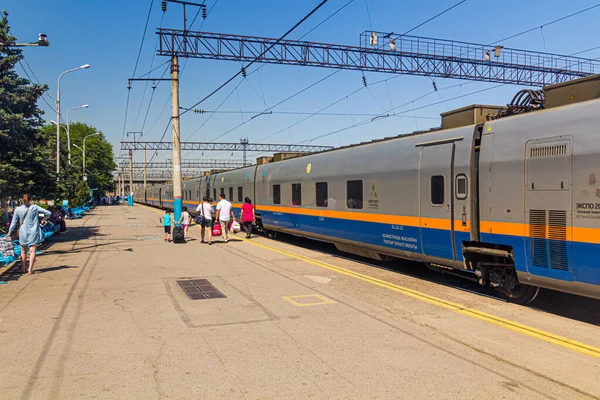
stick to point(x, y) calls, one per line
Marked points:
point(205, 211)
point(224, 215)
point(30, 232)
point(248, 217)
point(166, 220)
point(185, 221)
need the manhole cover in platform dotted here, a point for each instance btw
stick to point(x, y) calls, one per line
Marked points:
point(200, 289)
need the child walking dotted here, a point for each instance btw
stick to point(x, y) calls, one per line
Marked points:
point(185, 221)
point(166, 220)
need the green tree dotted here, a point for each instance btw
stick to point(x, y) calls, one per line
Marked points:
point(98, 159)
point(23, 157)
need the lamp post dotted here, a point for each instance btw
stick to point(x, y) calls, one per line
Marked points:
point(69, 132)
point(83, 151)
point(58, 117)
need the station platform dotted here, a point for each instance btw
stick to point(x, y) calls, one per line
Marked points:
point(114, 312)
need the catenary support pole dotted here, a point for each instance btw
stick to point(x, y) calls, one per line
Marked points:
point(130, 178)
point(177, 201)
point(145, 164)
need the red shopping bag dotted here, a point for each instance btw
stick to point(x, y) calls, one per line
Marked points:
point(216, 230)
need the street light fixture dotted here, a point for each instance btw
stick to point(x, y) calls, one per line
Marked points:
point(85, 66)
point(83, 151)
point(68, 130)
point(41, 42)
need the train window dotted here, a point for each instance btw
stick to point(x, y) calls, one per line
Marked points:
point(437, 190)
point(207, 192)
point(296, 194)
point(354, 194)
point(214, 194)
point(276, 194)
point(461, 187)
point(230, 194)
point(321, 190)
point(240, 194)
point(222, 190)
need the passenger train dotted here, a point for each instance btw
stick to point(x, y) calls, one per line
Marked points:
point(512, 202)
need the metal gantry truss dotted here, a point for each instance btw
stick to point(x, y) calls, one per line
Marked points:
point(403, 55)
point(208, 146)
point(156, 176)
point(199, 164)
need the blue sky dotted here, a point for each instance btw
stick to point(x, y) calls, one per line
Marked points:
point(107, 35)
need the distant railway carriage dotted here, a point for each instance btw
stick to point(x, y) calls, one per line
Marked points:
point(512, 202)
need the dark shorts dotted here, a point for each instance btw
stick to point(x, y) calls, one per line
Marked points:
point(167, 229)
point(208, 223)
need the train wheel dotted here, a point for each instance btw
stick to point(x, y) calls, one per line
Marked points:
point(522, 294)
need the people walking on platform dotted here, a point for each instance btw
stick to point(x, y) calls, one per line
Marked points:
point(30, 232)
point(205, 211)
point(185, 221)
point(166, 221)
point(224, 216)
point(248, 217)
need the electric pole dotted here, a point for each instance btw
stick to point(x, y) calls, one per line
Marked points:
point(177, 201)
point(145, 164)
point(131, 177)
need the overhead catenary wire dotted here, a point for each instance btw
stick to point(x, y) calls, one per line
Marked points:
point(136, 66)
point(182, 69)
point(154, 85)
point(547, 23)
point(321, 4)
point(263, 65)
point(368, 121)
point(335, 72)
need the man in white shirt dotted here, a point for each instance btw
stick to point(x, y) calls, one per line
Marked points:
point(224, 215)
point(205, 211)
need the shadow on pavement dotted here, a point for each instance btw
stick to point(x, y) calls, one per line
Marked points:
point(52, 269)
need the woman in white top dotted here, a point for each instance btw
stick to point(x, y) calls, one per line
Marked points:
point(205, 211)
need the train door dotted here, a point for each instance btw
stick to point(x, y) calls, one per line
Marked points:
point(160, 197)
point(435, 198)
point(548, 197)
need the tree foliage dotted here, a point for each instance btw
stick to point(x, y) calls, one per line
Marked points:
point(21, 157)
point(28, 149)
point(99, 162)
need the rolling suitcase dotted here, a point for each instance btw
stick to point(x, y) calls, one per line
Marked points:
point(178, 235)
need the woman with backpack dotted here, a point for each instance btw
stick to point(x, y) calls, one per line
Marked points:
point(30, 232)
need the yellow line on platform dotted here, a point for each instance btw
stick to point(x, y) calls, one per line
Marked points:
point(458, 308)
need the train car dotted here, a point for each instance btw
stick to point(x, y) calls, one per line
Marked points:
point(493, 200)
point(539, 200)
point(404, 197)
point(154, 196)
point(139, 195)
point(191, 194)
point(512, 203)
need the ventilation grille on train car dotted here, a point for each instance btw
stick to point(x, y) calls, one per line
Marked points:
point(557, 235)
point(548, 239)
point(548, 151)
point(537, 238)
